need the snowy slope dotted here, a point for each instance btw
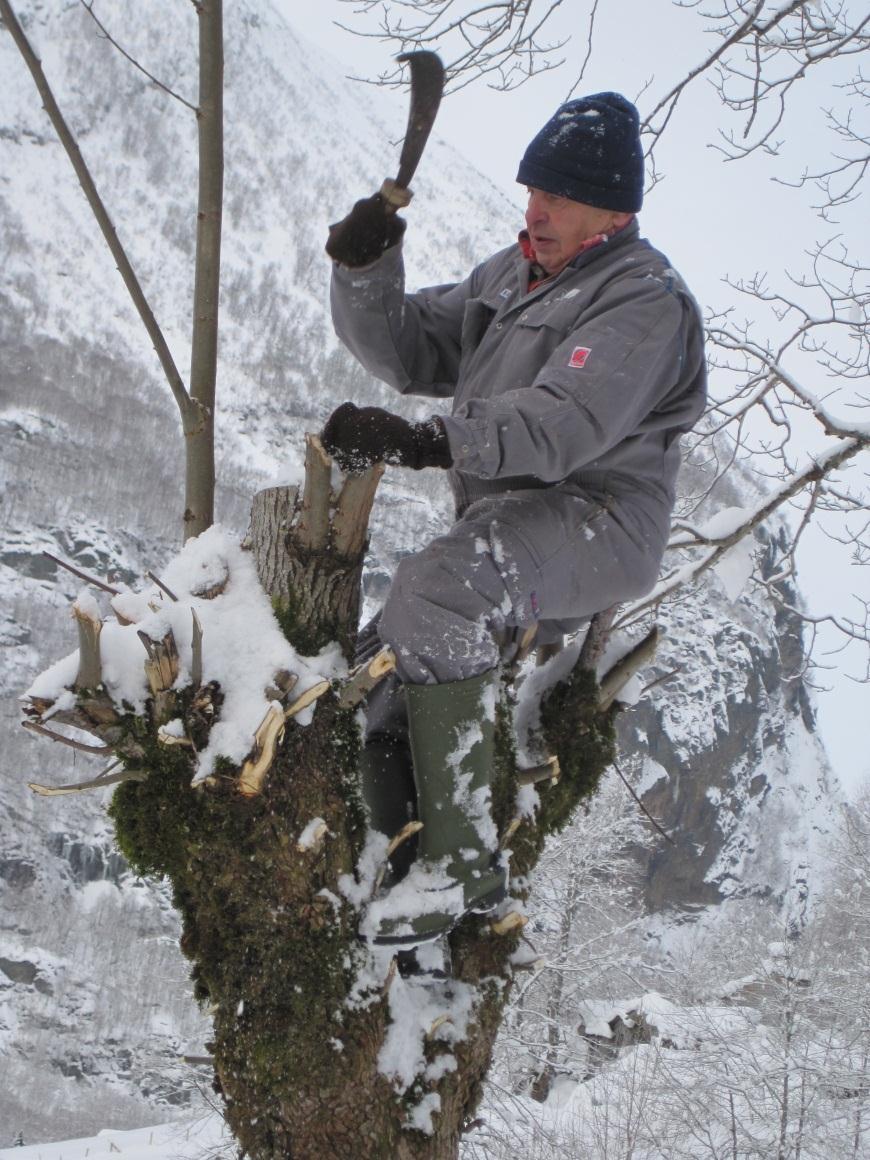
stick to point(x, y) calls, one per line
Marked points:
point(94, 1006)
point(186, 1140)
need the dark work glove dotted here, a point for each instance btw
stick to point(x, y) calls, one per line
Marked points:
point(357, 437)
point(370, 228)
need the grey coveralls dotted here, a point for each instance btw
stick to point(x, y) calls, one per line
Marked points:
point(568, 403)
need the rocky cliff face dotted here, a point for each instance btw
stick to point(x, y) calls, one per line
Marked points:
point(94, 1005)
point(729, 761)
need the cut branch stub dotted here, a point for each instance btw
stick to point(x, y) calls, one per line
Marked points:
point(513, 826)
point(309, 556)
point(352, 510)
point(614, 681)
point(364, 679)
point(161, 667)
point(196, 651)
point(268, 737)
point(89, 625)
point(307, 698)
point(514, 920)
point(167, 737)
point(266, 741)
point(206, 589)
point(548, 771)
point(313, 529)
point(271, 519)
point(283, 684)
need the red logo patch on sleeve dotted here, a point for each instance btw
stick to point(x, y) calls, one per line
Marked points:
point(579, 356)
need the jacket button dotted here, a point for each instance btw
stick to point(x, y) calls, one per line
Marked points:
point(499, 325)
point(523, 317)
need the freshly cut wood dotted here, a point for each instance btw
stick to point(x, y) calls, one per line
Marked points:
point(90, 670)
point(195, 651)
point(164, 737)
point(511, 829)
point(266, 741)
point(407, 831)
point(352, 510)
point(162, 665)
point(307, 698)
point(363, 679)
point(313, 526)
point(512, 921)
point(437, 1024)
point(548, 771)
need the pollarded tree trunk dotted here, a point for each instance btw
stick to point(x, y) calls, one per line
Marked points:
point(321, 1047)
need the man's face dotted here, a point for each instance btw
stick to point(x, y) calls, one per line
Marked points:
point(558, 227)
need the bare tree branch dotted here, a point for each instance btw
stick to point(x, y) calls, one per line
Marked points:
point(189, 410)
point(82, 575)
point(88, 5)
point(716, 547)
point(83, 747)
point(667, 837)
point(499, 41)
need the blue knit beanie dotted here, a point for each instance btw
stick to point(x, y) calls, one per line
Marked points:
point(589, 151)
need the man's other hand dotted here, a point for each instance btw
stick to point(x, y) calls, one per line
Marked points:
point(358, 437)
point(370, 228)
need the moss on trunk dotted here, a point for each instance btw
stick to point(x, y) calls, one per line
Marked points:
point(273, 944)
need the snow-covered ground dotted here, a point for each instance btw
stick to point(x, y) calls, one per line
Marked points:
point(203, 1138)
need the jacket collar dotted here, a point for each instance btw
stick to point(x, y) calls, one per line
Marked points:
point(591, 249)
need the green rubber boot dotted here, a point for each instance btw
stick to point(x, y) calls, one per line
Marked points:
point(387, 785)
point(458, 870)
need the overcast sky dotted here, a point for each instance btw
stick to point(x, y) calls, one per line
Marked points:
point(714, 219)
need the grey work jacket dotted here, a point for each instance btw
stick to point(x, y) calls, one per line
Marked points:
point(584, 383)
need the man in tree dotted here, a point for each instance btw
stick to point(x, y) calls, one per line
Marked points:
point(575, 361)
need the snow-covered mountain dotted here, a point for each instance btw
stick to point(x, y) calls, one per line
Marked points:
point(93, 996)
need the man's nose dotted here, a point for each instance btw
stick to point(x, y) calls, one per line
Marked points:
point(536, 210)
